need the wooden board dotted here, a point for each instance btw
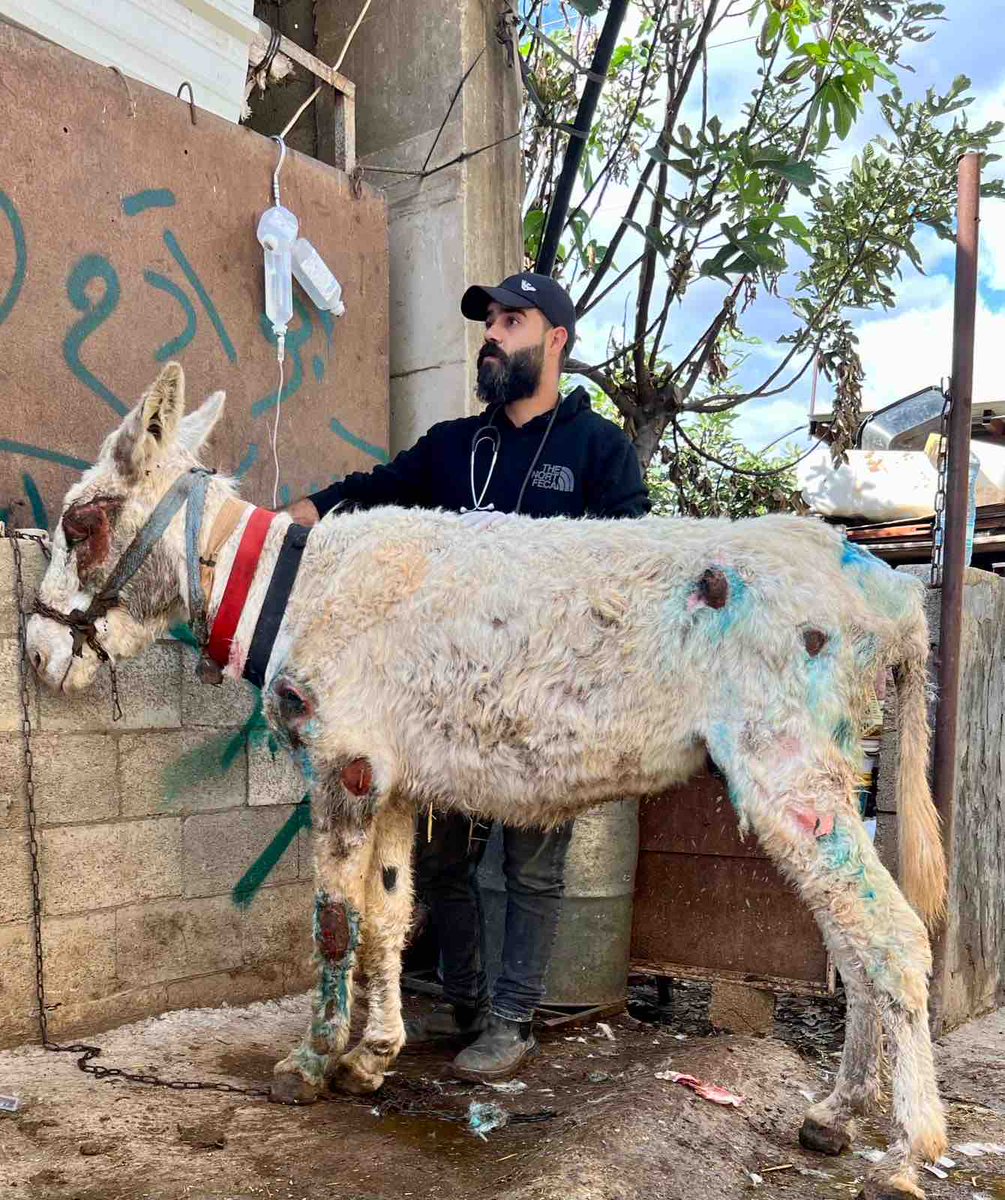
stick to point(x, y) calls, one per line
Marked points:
point(127, 237)
point(710, 904)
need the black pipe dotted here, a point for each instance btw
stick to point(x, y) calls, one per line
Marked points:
point(559, 209)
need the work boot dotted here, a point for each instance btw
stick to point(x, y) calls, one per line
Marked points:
point(498, 1053)
point(446, 1021)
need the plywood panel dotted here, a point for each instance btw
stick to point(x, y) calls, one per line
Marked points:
point(709, 901)
point(127, 236)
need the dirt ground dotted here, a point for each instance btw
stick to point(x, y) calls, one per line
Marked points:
point(598, 1124)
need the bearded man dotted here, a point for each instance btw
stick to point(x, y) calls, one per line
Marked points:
point(539, 454)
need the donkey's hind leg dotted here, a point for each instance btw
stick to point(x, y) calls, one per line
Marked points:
point(799, 803)
point(385, 926)
point(829, 1125)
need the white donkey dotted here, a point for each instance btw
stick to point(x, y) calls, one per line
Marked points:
point(526, 673)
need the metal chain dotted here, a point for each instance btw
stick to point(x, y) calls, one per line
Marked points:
point(938, 519)
point(86, 1052)
point(29, 789)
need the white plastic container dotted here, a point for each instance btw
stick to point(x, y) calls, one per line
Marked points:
point(873, 485)
point(277, 231)
point(991, 481)
point(972, 478)
point(312, 273)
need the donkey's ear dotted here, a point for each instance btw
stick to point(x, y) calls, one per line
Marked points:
point(196, 427)
point(152, 425)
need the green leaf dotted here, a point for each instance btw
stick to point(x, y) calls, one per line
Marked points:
point(620, 56)
point(795, 70)
point(533, 222)
point(533, 226)
point(799, 174)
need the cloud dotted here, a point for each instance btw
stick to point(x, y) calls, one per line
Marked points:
point(991, 253)
point(913, 349)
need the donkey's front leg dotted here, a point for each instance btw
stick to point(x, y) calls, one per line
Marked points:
point(387, 912)
point(341, 860)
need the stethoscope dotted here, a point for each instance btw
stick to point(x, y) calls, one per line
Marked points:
point(489, 434)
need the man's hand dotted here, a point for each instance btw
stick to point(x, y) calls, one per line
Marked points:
point(303, 512)
point(484, 518)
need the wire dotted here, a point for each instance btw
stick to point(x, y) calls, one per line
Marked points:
point(352, 34)
point(338, 63)
point(279, 166)
point(275, 437)
point(301, 110)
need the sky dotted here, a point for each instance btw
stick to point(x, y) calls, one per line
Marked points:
point(902, 349)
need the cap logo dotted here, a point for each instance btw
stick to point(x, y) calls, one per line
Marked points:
point(527, 287)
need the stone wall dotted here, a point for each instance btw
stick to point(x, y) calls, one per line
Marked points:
point(146, 825)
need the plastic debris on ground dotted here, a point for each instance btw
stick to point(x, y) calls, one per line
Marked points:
point(9, 1103)
point(708, 1091)
point(484, 1118)
point(978, 1149)
point(755, 1179)
point(606, 1031)
point(511, 1086)
point(871, 1155)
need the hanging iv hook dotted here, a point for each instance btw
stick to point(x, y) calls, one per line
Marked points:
point(279, 166)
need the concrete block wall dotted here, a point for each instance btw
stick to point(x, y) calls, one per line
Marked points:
point(459, 226)
point(145, 826)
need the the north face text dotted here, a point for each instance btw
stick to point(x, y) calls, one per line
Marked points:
point(553, 478)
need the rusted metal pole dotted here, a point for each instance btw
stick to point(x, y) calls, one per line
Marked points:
point(955, 517)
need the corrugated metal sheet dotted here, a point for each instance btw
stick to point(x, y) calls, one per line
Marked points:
point(160, 42)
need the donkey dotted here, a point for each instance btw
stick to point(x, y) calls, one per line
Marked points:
point(526, 673)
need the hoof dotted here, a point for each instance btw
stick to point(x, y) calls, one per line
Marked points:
point(899, 1186)
point(290, 1087)
point(824, 1139)
point(354, 1074)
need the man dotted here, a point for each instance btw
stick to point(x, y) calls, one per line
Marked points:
point(536, 453)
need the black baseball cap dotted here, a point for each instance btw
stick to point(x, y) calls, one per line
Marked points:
point(526, 290)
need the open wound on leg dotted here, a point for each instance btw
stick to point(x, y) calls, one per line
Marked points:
point(336, 937)
point(810, 821)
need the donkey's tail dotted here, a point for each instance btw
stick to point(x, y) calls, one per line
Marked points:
point(922, 860)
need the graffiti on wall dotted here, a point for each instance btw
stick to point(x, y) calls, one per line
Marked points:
point(93, 288)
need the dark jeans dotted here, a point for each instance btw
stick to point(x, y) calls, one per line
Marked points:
point(534, 865)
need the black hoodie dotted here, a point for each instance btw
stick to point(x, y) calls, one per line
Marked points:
point(582, 466)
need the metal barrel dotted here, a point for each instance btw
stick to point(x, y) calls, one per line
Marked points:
point(589, 963)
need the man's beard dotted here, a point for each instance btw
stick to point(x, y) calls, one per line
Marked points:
point(511, 377)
